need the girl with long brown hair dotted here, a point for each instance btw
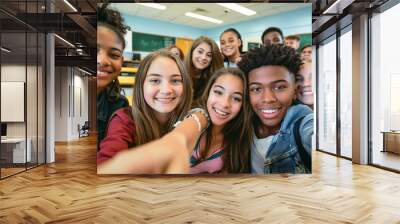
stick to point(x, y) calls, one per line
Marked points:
point(225, 147)
point(162, 96)
point(203, 59)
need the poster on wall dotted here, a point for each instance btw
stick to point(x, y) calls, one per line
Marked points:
point(204, 111)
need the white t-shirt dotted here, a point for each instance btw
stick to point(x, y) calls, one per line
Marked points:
point(259, 150)
point(230, 65)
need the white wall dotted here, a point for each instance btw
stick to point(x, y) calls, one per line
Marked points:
point(12, 73)
point(61, 103)
point(33, 126)
point(80, 109)
point(71, 94)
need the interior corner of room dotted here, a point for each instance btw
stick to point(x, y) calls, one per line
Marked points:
point(47, 75)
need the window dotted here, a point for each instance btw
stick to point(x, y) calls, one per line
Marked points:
point(327, 96)
point(346, 92)
point(385, 89)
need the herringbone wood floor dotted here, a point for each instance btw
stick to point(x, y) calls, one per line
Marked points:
point(69, 191)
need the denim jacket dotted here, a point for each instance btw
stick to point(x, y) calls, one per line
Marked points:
point(282, 155)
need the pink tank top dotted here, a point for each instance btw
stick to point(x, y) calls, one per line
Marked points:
point(212, 164)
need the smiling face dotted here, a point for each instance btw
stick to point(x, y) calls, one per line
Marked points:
point(230, 44)
point(225, 99)
point(163, 87)
point(202, 56)
point(305, 93)
point(109, 57)
point(272, 91)
point(292, 43)
point(272, 38)
point(306, 54)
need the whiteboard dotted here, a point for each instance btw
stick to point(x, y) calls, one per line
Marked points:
point(12, 101)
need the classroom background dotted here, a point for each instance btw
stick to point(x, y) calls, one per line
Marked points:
point(161, 25)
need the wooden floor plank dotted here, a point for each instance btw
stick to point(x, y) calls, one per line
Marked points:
point(70, 191)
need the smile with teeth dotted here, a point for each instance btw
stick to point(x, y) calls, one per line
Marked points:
point(269, 111)
point(165, 100)
point(307, 93)
point(221, 113)
point(228, 49)
point(102, 73)
point(202, 63)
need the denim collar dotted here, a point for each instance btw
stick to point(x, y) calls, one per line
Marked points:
point(294, 112)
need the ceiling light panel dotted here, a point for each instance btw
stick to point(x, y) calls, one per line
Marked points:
point(154, 5)
point(205, 18)
point(238, 8)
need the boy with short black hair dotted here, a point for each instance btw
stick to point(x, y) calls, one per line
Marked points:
point(272, 35)
point(282, 130)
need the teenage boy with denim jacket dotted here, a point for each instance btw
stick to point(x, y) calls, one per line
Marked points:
point(271, 72)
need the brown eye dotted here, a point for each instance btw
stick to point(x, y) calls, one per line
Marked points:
point(255, 89)
point(280, 87)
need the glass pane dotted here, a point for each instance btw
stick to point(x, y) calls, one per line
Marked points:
point(41, 99)
point(13, 85)
point(327, 97)
point(385, 90)
point(346, 94)
point(31, 84)
point(31, 98)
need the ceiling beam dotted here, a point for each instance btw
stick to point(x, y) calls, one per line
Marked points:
point(84, 24)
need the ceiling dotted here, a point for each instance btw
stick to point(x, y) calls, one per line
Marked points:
point(332, 15)
point(21, 19)
point(175, 12)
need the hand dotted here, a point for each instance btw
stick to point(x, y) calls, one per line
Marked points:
point(238, 60)
point(204, 121)
point(202, 116)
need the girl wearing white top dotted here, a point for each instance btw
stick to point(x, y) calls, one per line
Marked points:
point(231, 47)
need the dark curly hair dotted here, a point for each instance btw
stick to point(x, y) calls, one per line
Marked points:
point(269, 30)
point(113, 20)
point(271, 55)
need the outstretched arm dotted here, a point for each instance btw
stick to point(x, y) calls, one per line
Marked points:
point(169, 154)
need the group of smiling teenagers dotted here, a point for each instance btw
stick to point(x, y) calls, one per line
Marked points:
point(214, 110)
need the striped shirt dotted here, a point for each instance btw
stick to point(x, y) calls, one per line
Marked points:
point(213, 164)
